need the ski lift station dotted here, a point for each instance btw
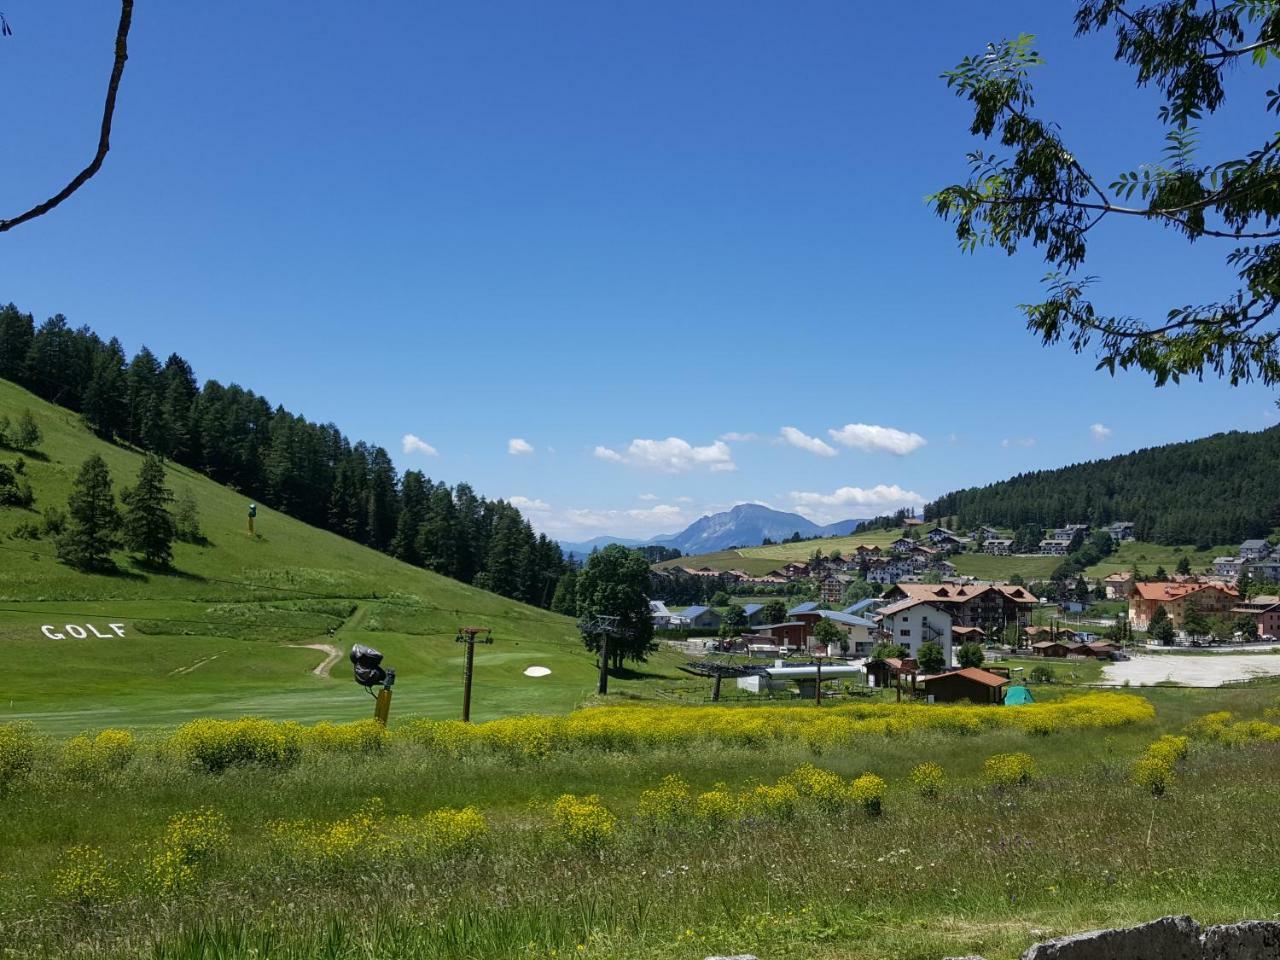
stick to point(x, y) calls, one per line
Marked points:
point(805, 676)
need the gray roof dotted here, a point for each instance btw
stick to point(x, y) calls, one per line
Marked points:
point(864, 604)
point(847, 619)
point(808, 607)
point(692, 612)
point(1253, 544)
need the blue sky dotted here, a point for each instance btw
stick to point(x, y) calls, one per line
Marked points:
point(622, 233)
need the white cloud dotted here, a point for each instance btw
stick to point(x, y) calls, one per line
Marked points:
point(517, 447)
point(1018, 442)
point(648, 496)
point(411, 444)
point(671, 455)
point(805, 442)
point(1100, 432)
point(525, 503)
point(865, 436)
point(734, 437)
point(584, 523)
point(829, 507)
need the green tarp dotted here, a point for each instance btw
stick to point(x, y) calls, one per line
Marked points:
point(1015, 696)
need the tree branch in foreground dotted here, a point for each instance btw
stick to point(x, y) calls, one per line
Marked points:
point(104, 136)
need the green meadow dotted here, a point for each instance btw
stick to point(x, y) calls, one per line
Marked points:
point(226, 632)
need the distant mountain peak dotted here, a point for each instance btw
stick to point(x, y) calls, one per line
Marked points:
point(743, 525)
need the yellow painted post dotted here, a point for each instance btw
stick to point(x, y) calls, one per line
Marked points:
point(382, 706)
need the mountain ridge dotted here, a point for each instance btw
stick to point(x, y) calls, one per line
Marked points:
point(743, 525)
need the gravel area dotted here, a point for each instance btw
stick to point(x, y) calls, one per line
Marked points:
point(1192, 670)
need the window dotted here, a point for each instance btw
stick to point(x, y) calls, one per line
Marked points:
point(904, 632)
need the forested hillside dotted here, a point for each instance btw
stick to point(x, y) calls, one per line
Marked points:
point(1220, 489)
point(310, 471)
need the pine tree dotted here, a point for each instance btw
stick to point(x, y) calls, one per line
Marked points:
point(104, 407)
point(414, 503)
point(149, 528)
point(177, 396)
point(93, 523)
point(1160, 629)
point(16, 332)
point(142, 400)
point(383, 500)
point(1245, 585)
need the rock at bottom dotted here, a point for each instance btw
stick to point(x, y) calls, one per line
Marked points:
point(1169, 938)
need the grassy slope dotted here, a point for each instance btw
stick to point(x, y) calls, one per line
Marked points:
point(762, 560)
point(213, 637)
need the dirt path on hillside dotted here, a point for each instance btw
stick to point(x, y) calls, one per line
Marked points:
point(334, 655)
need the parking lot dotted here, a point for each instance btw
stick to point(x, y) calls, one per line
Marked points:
point(1194, 670)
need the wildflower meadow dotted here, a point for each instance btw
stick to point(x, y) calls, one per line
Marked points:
point(639, 831)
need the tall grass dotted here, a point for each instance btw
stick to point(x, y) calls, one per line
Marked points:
point(297, 861)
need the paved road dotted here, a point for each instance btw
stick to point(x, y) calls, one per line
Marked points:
point(1191, 670)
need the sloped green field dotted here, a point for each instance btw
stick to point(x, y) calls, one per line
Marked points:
point(223, 634)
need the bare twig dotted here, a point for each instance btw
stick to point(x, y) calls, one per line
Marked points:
point(104, 136)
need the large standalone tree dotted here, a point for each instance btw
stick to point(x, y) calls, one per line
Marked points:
point(93, 525)
point(1039, 189)
point(615, 583)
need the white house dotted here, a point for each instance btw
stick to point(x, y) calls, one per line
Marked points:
point(997, 546)
point(1228, 567)
point(1055, 546)
point(914, 623)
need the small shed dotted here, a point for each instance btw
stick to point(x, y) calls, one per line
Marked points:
point(969, 683)
point(885, 672)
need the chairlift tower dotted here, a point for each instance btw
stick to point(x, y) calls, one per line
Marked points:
point(603, 627)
